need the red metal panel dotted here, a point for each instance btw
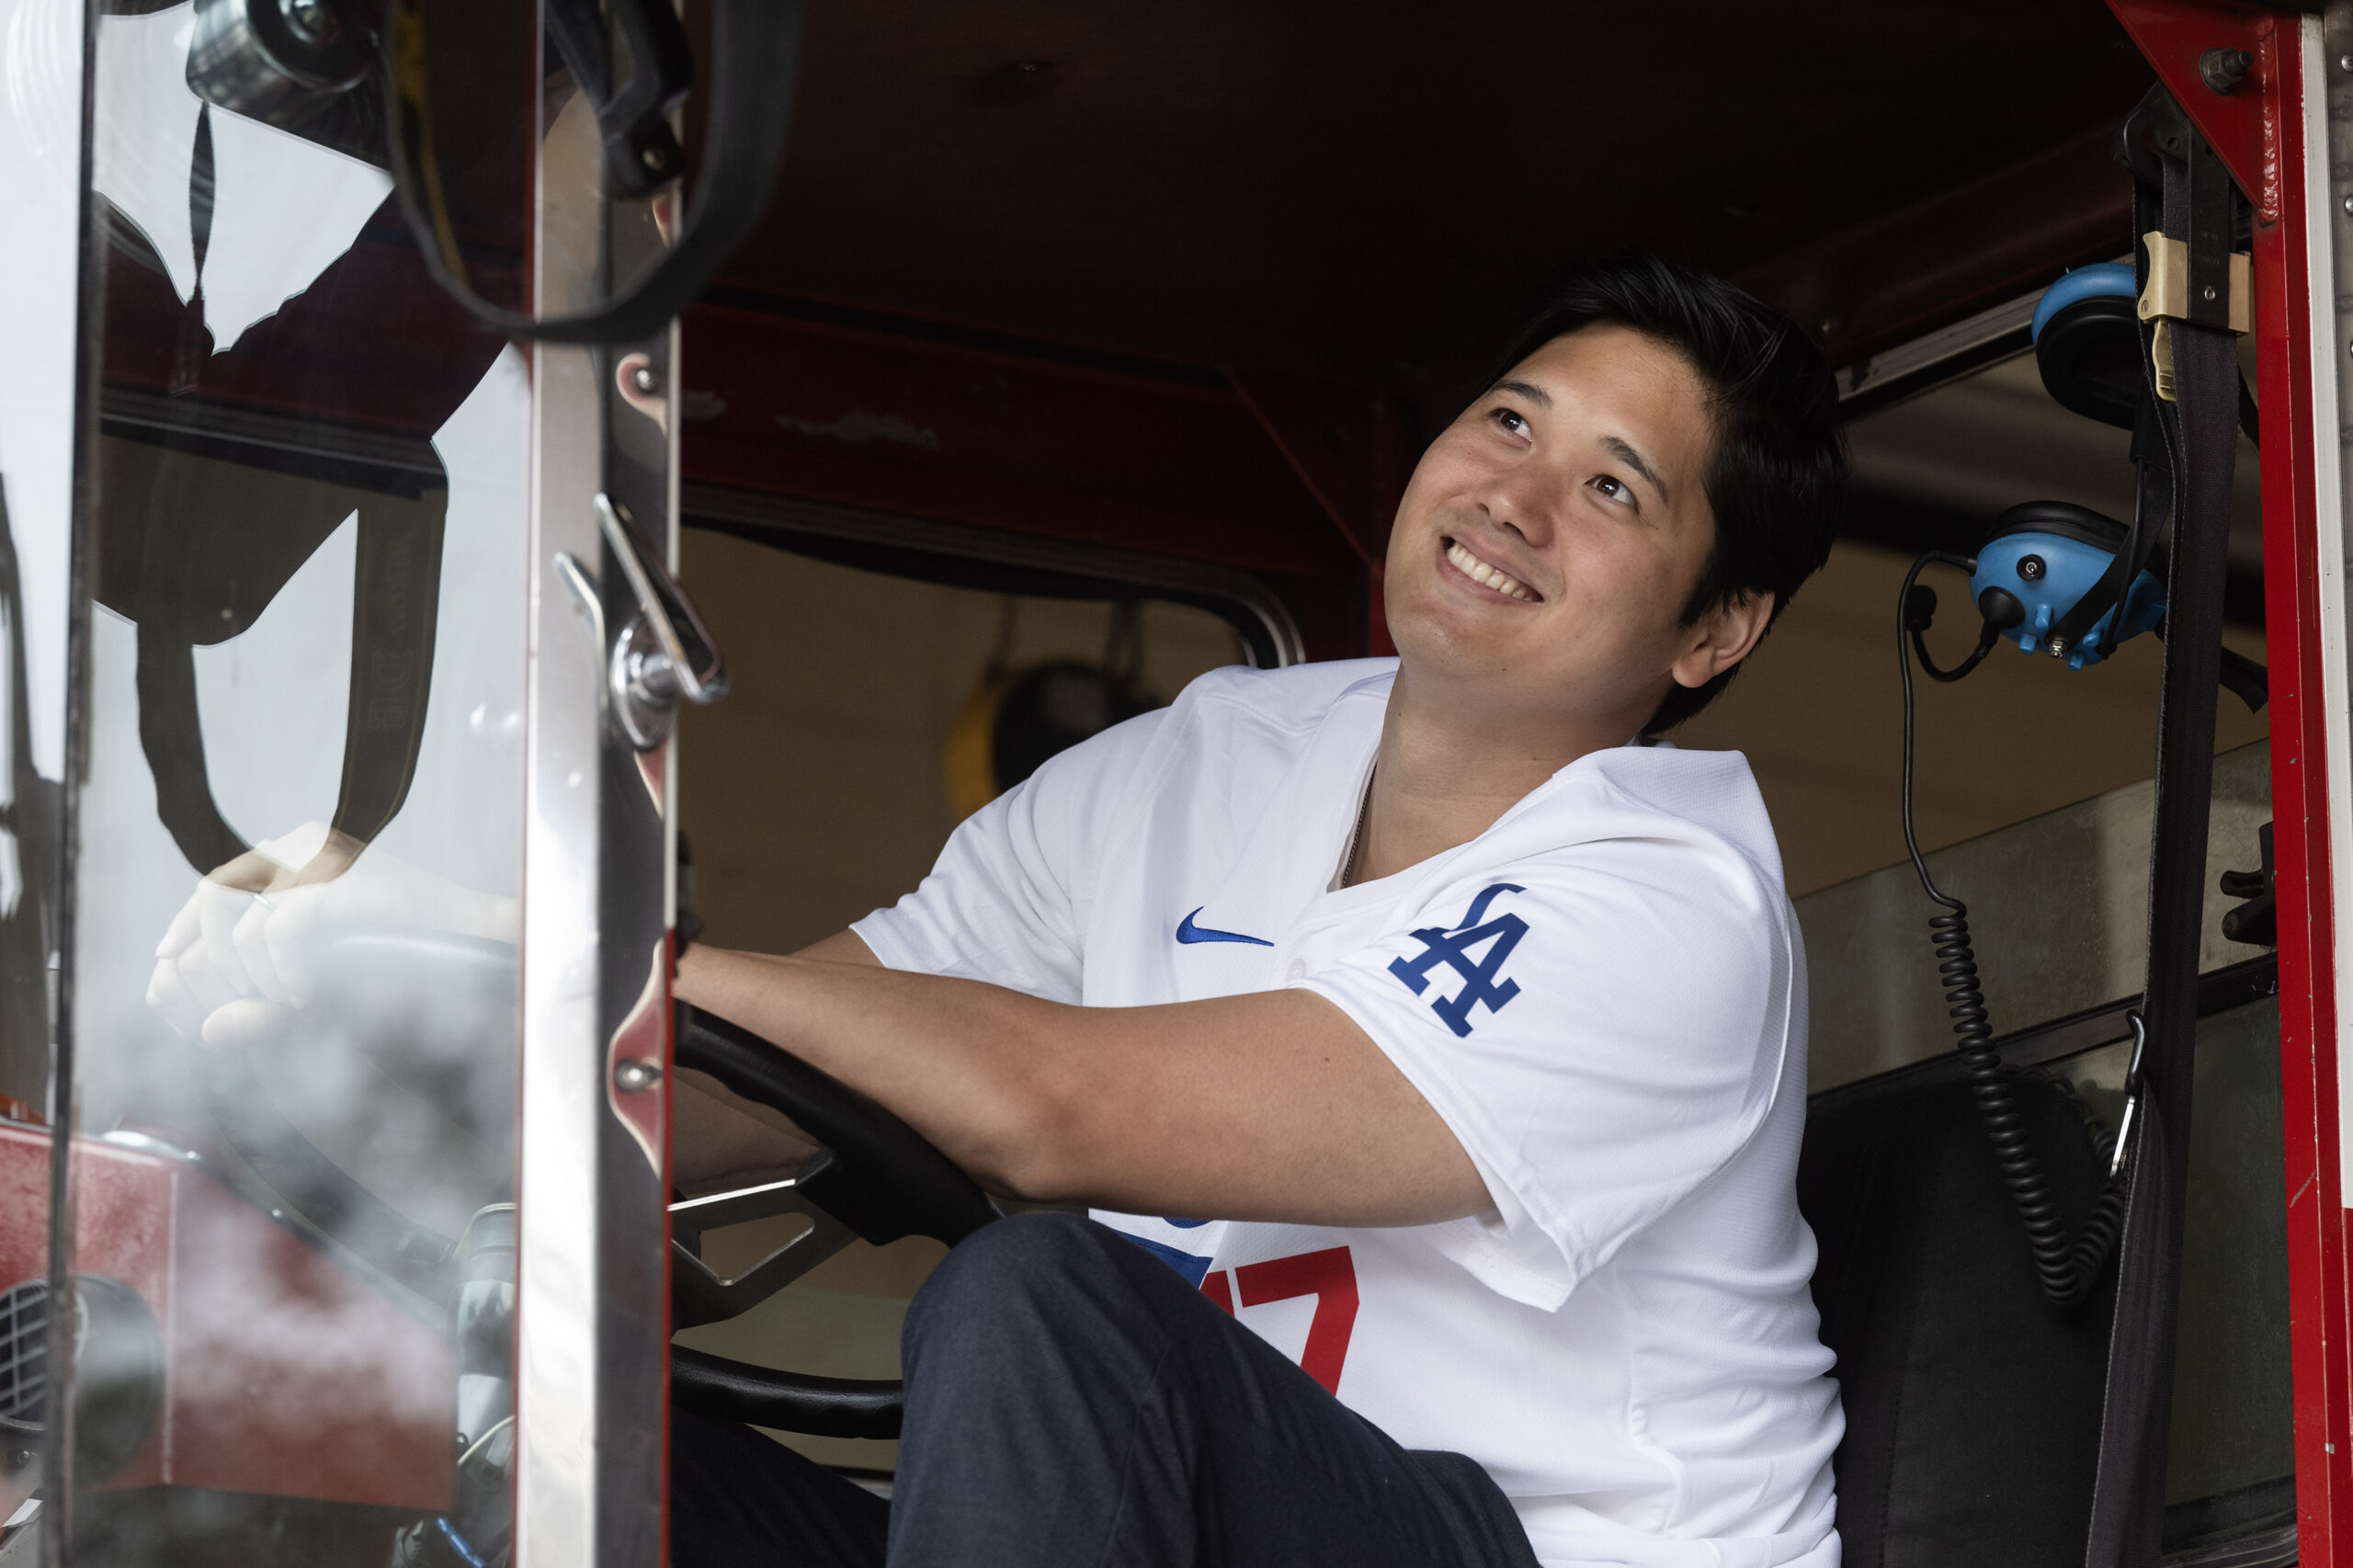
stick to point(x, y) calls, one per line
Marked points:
point(1897, 275)
point(122, 1214)
point(923, 427)
point(284, 1374)
point(2258, 130)
point(290, 1376)
point(962, 425)
point(2243, 126)
point(2293, 514)
point(24, 1254)
point(1353, 451)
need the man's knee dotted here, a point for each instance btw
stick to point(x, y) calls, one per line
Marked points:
point(1027, 1279)
point(1025, 1255)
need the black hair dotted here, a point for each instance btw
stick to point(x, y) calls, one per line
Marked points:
point(1777, 477)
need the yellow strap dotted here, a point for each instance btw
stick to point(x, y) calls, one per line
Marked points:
point(412, 81)
point(971, 745)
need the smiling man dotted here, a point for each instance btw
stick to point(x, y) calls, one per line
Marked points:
point(1474, 1026)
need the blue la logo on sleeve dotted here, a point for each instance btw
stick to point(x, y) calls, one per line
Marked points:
point(1482, 982)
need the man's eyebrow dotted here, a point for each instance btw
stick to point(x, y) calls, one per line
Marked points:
point(1528, 389)
point(1623, 451)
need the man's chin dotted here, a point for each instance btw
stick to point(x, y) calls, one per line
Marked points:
point(1452, 631)
point(1444, 649)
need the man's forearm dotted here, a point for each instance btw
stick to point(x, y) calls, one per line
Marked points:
point(967, 1066)
point(1270, 1105)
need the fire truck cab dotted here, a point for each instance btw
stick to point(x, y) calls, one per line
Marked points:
point(493, 490)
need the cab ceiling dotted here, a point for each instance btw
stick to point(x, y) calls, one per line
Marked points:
point(1367, 190)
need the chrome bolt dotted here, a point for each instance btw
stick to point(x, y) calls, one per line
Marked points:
point(654, 159)
point(646, 381)
point(2056, 647)
point(312, 22)
point(2345, 63)
point(637, 1076)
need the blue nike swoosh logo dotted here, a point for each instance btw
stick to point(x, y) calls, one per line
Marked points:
point(1188, 933)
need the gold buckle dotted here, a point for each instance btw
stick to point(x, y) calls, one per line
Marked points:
point(2166, 299)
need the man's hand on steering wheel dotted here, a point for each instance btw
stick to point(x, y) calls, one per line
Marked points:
point(244, 951)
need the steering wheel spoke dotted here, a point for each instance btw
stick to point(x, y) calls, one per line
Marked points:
point(700, 1294)
point(875, 1179)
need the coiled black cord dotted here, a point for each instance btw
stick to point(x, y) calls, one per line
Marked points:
point(2067, 1266)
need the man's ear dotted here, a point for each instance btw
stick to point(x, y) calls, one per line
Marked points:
point(1723, 637)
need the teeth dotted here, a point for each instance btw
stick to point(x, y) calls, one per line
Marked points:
point(1479, 571)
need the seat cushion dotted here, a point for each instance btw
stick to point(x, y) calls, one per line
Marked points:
point(1972, 1403)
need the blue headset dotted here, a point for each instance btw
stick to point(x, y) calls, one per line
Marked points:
point(2040, 561)
point(2107, 280)
point(2053, 577)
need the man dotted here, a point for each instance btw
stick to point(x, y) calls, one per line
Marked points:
point(1476, 1031)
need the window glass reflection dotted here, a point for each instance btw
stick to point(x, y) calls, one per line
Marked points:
point(294, 954)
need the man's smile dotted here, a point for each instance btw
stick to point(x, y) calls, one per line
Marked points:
point(1486, 574)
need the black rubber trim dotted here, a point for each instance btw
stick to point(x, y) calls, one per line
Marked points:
point(2062, 517)
point(2219, 991)
point(789, 1402)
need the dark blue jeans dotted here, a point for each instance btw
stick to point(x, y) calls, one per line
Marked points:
point(1072, 1400)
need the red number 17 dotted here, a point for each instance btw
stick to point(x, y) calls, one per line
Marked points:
point(1328, 1276)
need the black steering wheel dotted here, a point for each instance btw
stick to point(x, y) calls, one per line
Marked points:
point(436, 1058)
point(877, 1178)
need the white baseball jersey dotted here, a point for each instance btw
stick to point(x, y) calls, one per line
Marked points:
point(1603, 996)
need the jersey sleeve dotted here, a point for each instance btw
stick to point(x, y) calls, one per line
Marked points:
point(1007, 899)
point(1601, 1029)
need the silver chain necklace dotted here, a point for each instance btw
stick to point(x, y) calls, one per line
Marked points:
point(1355, 838)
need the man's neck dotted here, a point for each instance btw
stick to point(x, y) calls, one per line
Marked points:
point(1447, 769)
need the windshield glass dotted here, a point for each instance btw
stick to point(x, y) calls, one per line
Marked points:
point(292, 966)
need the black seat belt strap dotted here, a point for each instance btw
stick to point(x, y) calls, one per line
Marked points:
point(396, 594)
point(395, 604)
point(2200, 433)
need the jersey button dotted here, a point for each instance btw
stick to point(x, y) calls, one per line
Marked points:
point(1298, 970)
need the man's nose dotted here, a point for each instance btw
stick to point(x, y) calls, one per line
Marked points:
point(1520, 503)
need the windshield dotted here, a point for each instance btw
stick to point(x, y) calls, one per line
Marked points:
point(292, 960)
